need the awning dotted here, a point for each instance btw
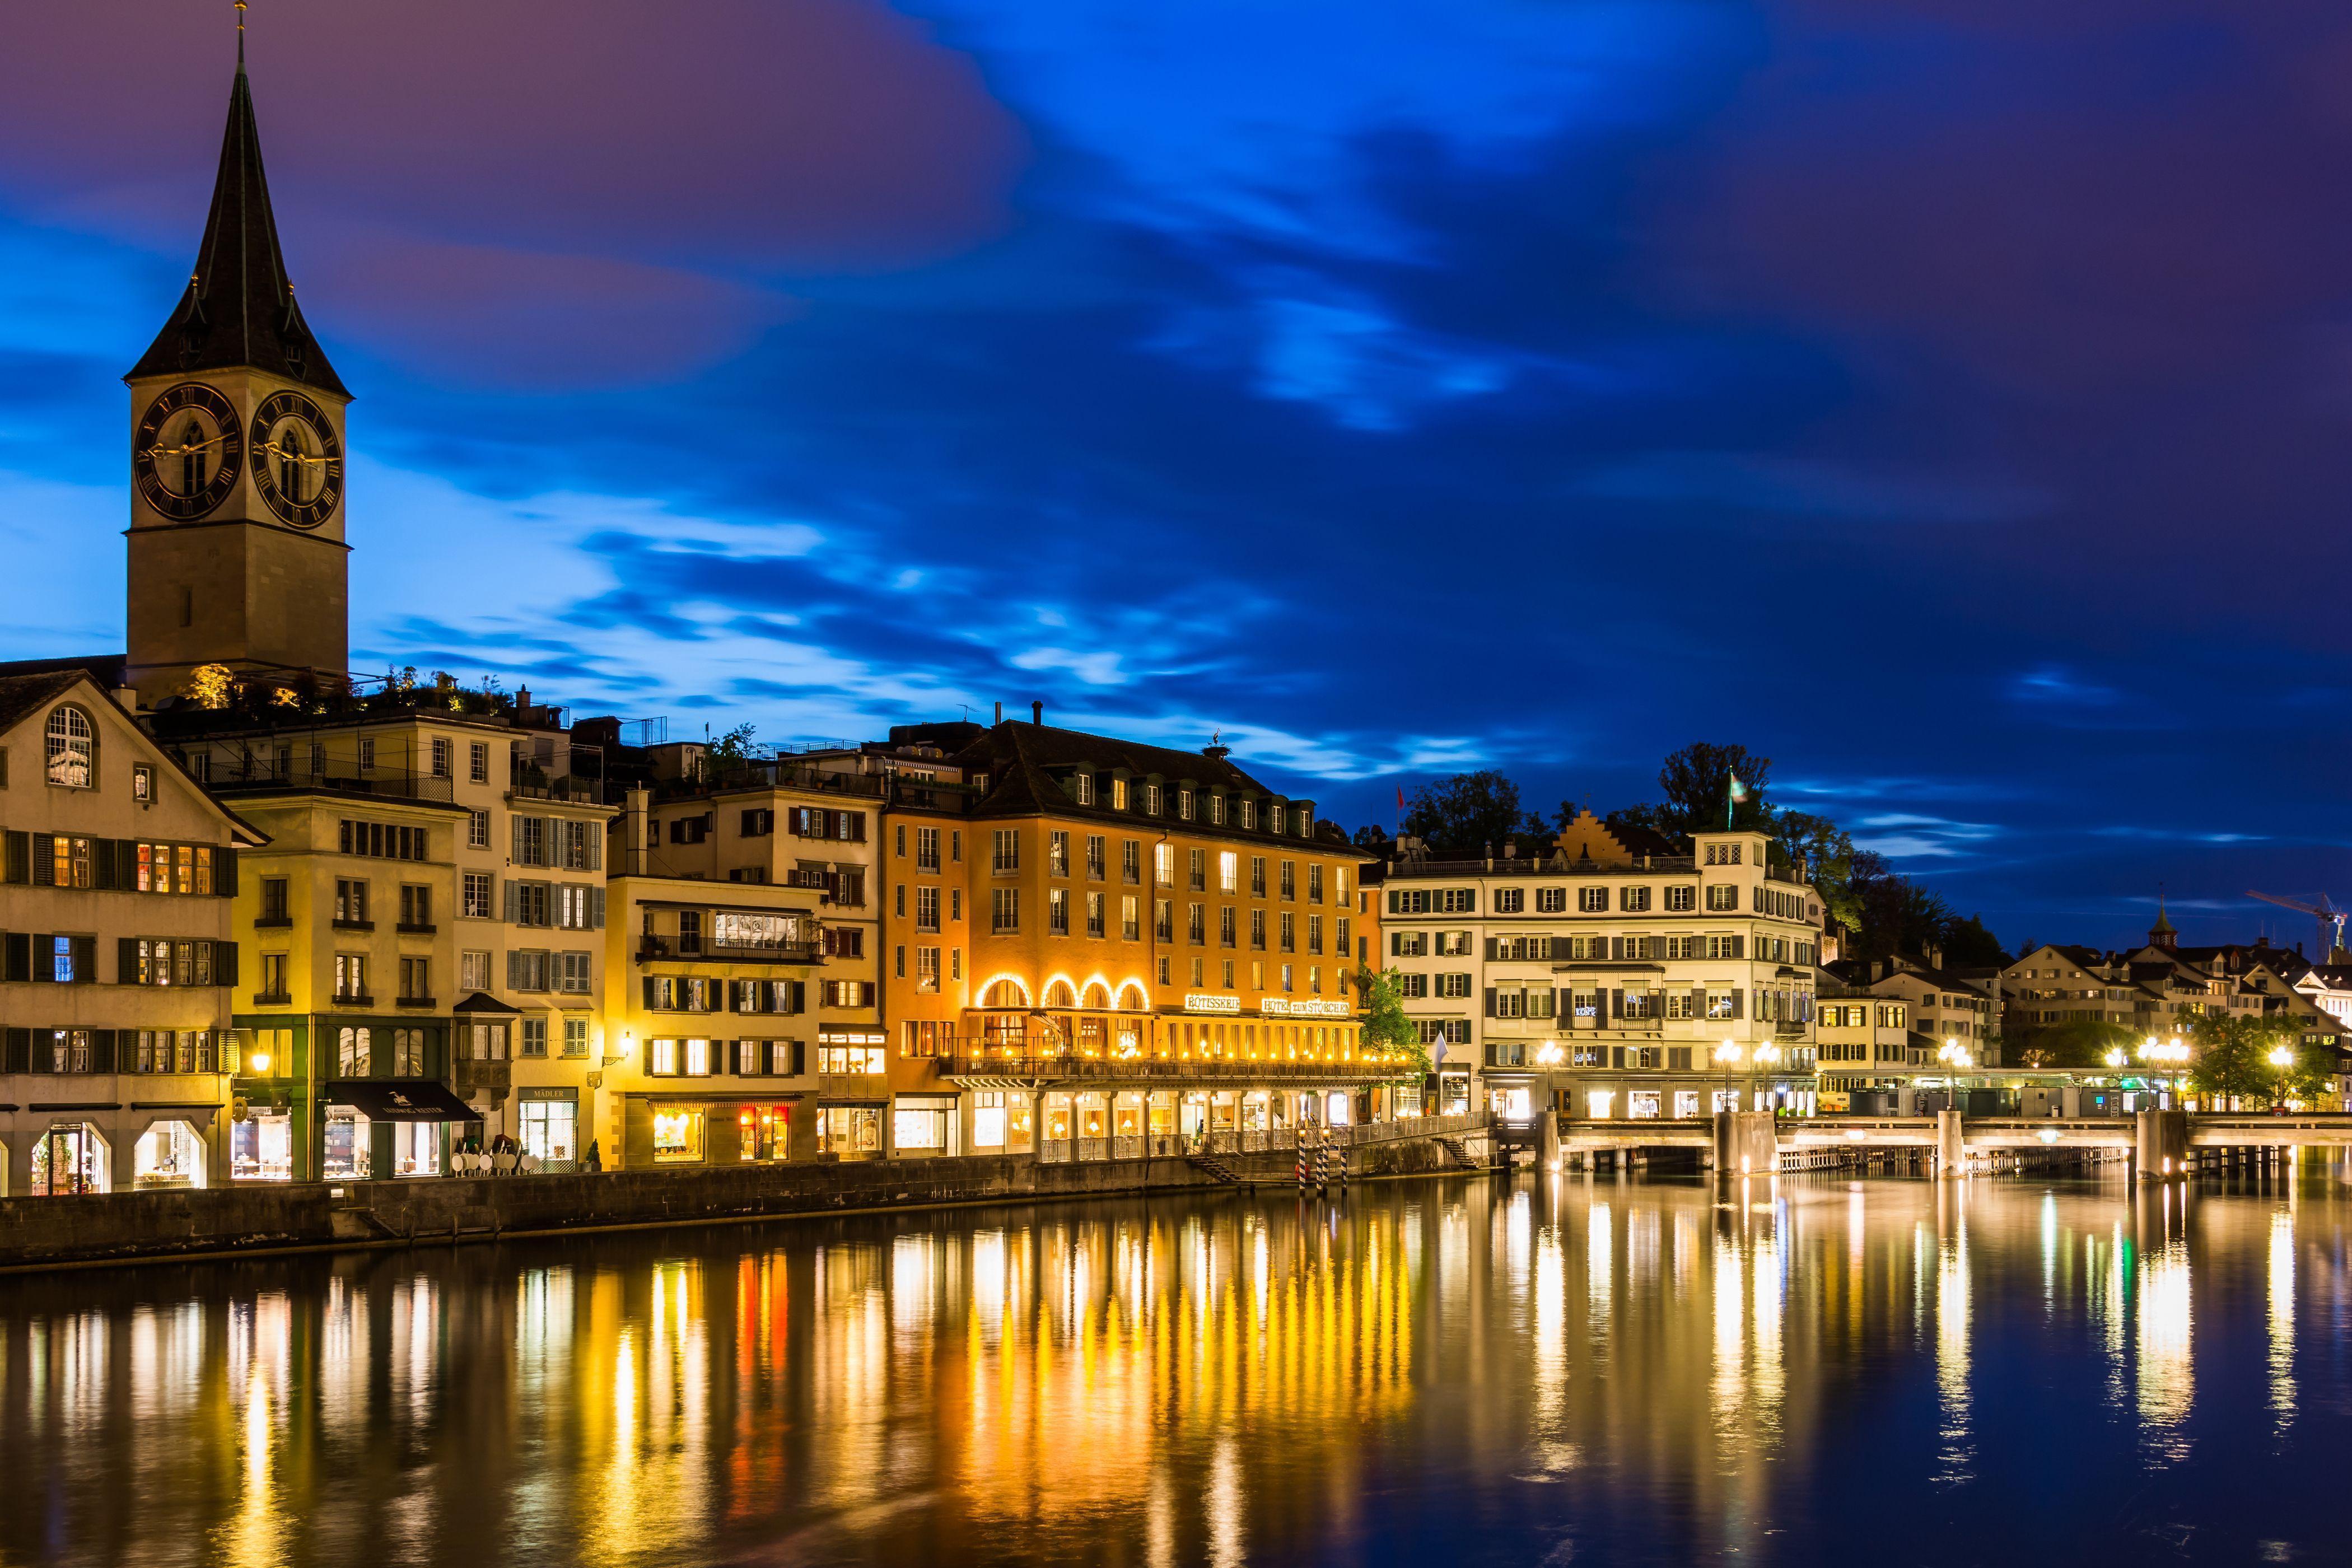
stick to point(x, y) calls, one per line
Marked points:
point(476, 1002)
point(398, 1099)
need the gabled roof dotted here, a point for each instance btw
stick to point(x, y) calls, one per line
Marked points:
point(238, 310)
point(1042, 746)
point(23, 696)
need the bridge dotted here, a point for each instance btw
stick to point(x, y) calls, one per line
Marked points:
point(2158, 1140)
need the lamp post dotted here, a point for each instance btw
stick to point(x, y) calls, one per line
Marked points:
point(2168, 1057)
point(1764, 1056)
point(2283, 1058)
point(1727, 1056)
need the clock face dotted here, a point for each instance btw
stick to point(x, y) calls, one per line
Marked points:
point(188, 453)
point(298, 464)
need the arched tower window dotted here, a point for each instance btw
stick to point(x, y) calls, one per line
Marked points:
point(72, 749)
point(1058, 994)
point(1004, 993)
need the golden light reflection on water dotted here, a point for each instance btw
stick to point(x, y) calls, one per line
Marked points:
point(1210, 1381)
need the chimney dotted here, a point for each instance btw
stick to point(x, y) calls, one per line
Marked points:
point(640, 813)
point(999, 712)
point(1037, 714)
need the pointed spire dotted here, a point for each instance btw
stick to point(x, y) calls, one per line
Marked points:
point(239, 310)
point(2161, 933)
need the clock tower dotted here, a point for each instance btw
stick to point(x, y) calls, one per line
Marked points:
point(238, 552)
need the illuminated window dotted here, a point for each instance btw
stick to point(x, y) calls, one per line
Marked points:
point(677, 1135)
point(72, 749)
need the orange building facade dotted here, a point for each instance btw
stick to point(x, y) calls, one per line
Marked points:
point(1093, 949)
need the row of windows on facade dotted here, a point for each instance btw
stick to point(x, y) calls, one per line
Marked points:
point(1213, 806)
point(405, 1050)
point(1004, 860)
point(69, 960)
point(534, 970)
point(117, 865)
point(1863, 1014)
point(1674, 897)
point(559, 843)
point(1644, 949)
point(1004, 919)
point(704, 994)
point(1594, 1005)
point(564, 906)
point(690, 1057)
point(760, 822)
point(114, 1051)
point(723, 932)
point(440, 759)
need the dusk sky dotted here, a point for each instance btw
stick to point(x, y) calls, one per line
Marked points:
point(1947, 399)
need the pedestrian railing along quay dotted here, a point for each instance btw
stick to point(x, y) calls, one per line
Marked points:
point(1253, 1140)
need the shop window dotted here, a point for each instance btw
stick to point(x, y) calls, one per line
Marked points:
point(677, 1135)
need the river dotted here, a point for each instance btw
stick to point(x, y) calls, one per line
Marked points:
point(1464, 1371)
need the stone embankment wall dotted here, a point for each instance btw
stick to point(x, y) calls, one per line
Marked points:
point(258, 1217)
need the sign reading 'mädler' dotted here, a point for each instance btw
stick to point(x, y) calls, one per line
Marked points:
point(1280, 1007)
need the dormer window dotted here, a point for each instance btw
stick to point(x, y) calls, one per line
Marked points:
point(1305, 825)
point(1082, 788)
point(72, 750)
point(1151, 800)
point(1184, 804)
point(1249, 815)
point(1119, 794)
point(1217, 810)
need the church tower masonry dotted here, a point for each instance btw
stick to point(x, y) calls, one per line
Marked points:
point(236, 543)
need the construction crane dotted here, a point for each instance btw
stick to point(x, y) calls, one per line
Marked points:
point(2331, 920)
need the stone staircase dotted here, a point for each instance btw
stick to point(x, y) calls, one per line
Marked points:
point(1218, 1168)
point(1457, 1156)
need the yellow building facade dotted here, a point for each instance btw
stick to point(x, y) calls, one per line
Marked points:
point(1096, 949)
point(119, 950)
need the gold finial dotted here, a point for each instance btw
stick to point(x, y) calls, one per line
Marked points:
point(240, 32)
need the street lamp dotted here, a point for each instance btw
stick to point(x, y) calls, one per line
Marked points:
point(2164, 1056)
point(2283, 1058)
point(1763, 1056)
point(1727, 1056)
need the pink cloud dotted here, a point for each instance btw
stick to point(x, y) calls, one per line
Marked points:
point(773, 133)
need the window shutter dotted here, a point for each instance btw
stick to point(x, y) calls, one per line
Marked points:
point(44, 860)
point(596, 908)
point(224, 871)
point(17, 857)
point(514, 901)
point(44, 964)
point(1563, 1005)
point(800, 1057)
point(595, 848)
point(19, 1044)
point(1616, 1055)
point(1739, 1002)
point(1616, 1003)
point(800, 996)
point(1490, 949)
point(85, 960)
point(651, 991)
point(126, 961)
point(1698, 1001)
point(102, 1050)
point(1738, 947)
point(16, 955)
point(514, 971)
point(1490, 1001)
point(225, 963)
point(514, 836)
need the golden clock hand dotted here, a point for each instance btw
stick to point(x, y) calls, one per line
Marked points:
point(274, 450)
point(184, 451)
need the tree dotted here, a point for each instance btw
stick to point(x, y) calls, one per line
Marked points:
point(2228, 1061)
point(1373, 839)
point(2074, 1043)
point(208, 686)
point(1968, 944)
point(1387, 1028)
point(1461, 816)
point(1697, 783)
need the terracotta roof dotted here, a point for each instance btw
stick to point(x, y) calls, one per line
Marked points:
point(238, 309)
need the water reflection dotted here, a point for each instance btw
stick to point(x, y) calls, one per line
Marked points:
point(1573, 1367)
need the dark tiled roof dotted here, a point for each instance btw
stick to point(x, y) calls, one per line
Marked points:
point(1026, 763)
point(238, 309)
point(1639, 840)
point(106, 669)
point(23, 694)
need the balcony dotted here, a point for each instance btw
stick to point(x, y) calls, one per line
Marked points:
point(653, 948)
point(469, 1075)
point(258, 778)
point(1130, 1069)
point(273, 999)
point(531, 784)
point(1546, 866)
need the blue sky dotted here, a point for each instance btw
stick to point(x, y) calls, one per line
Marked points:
point(1946, 400)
